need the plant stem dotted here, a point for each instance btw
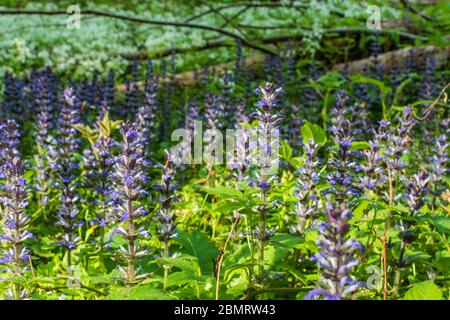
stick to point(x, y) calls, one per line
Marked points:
point(166, 268)
point(398, 270)
point(69, 258)
point(131, 251)
point(262, 234)
point(17, 258)
point(222, 256)
point(384, 237)
point(368, 243)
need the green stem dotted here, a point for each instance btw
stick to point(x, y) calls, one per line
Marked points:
point(17, 251)
point(262, 233)
point(131, 249)
point(398, 270)
point(166, 268)
point(368, 243)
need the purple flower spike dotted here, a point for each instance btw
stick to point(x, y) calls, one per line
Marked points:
point(336, 258)
point(129, 178)
point(15, 233)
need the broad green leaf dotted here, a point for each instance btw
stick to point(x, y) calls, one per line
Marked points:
point(183, 262)
point(442, 261)
point(117, 241)
point(399, 90)
point(442, 224)
point(181, 278)
point(275, 253)
point(285, 240)
point(360, 208)
point(426, 290)
point(107, 279)
point(292, 270)
point(313, 131)
point(201, 247)
point(227, 192)
point(401, 209)
point(140, 292)
point(285, 151)
point(358, 78)
point(228, 206)
point(296, 162)
point(331, 79)
point(360, 145)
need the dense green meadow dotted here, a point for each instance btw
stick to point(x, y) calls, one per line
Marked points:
point(224, 150)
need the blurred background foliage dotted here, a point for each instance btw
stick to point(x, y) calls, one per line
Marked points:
point(34, 41)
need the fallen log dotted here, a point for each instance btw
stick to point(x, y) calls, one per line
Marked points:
point(387, 60)
point(397, 58)
point(188, 78)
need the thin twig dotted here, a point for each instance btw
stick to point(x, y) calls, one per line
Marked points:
point(204, 13)
point(222, 255)
point(290, 5)
point(237, 15)
point(67, 287)
point(408, 6)
point(430, 108)
point(225, 18)
point(249, 26)
point(285, 289)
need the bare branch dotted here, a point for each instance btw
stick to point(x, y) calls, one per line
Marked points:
point(249, 5)
point(225, 18)
point(244, 9)
point(204, 13)
point(269, 40)
point(167, 52)
point(409, 7)
point(249, 26)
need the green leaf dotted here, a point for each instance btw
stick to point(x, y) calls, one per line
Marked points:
point(360, 145)
point(293, 271)
point(104, 279)
point(424, 291)
point(117, 241)
point(140, 292)
point(285, 151)
point(239, 266)
point(360, 208)
point(399, 90)
point(422, 102)
point(279, 246)
point(313, 131)
point(90, 134)
point(296, 162)
point(361, 79)
point(226, 192)
point(442, 261)
point(285, 240)
point(331, 79)
point(201, 247)
point(181, 278)
point(182, 262)
point(228, 206)
point(400, 208)
point(441, 223)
